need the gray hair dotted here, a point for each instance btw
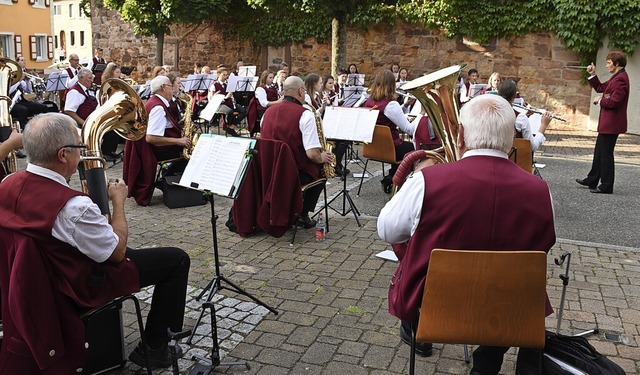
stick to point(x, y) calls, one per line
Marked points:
point(45, 134)
point(84, 71)
point(488, 122)
point(156, 83)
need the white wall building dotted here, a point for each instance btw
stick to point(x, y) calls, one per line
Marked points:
point(71, 30)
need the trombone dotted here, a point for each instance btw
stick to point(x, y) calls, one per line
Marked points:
point(537, 110)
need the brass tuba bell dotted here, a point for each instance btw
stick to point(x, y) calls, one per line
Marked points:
point(10, 74)
point(122, 111)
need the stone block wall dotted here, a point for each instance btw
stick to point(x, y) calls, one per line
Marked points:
point(536, 61)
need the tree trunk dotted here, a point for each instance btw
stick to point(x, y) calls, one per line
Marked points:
point(338, 44)
point(159, 48)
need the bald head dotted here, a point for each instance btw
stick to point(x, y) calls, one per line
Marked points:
point(292, 87)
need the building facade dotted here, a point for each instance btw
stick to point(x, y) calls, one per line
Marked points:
point(71, 30)
point(25, 30)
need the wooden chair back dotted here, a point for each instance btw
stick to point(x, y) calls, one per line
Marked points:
point(522, 154)
point(493, 298)
point(381, 148)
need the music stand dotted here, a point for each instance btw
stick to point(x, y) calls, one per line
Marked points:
point(351, 95)
point(99, 68)
point(476, 89)
point(242, 83)
point(247, 71)
point(348, 124)
point(205, 172)
point(57, 81)
point(355, 79)
point(127, 70)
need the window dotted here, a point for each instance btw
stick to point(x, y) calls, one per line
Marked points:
point(73, 38)
point(80, 11)
point(55, 38)
point(6, 2)
point(38, 3)
point(81, 38)
point(41, 48)
point(6, 46)
point(70, 10)
point(57, 10)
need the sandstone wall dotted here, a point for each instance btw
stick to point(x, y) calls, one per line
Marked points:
point(537, 61)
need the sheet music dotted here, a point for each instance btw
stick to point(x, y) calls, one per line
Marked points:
point(476, 89)
point(57, 81)
point(240, 83)
point(218, 164)
point(212, 107)
point(247, 71)
point(355, 79)
point(351, 124)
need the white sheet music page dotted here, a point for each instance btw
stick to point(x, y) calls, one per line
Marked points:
point(212, 107)
point(351, 124)
point(217, 163)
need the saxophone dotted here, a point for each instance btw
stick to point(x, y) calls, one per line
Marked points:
point(328, 169)
point(187, 126)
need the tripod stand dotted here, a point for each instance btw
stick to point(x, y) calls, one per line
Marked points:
point(345, 198)
point(215, 285)
point(565, 281)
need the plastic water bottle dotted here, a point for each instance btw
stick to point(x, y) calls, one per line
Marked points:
point(320, 228)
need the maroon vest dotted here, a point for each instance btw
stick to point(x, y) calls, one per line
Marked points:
point(423, 136)
point(173, 132)
point(223, 91)
point(495, 206)
point(89, 105)
point(380, 105)
point(272, 95)
point(70, 71)
point(281, 123)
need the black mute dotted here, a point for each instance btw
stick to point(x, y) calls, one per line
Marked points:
point(97, 185)
point(5, 132)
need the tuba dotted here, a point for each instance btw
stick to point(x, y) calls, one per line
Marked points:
point(328, 169)
point(122, 111)
point(437, 93)
point(10, 74)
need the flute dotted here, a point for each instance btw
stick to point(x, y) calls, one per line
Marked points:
point(576, 67)
point(537, 110)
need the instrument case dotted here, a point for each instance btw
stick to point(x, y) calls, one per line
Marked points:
point(178, 196)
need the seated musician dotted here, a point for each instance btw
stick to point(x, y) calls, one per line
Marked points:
point(341, 84)
point(87, 258)
point(266, 96)
point(164, 133)
point(472, 79)
point(455, 206)
point(281, 75)
point(508, 90)
point(295, 125)
point(23, 108)
point(81, 100)
point(493, 82)
point(227, 107)
point(383, 98)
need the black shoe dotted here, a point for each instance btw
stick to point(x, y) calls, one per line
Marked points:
point(585, 183)
point(600, 191)
point(232, 132)
point(387, 183)
point(20, 154)
point(305, 222)
point(158, 358)
point(423, 349)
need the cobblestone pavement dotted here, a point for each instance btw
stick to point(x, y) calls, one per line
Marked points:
point(332, 296)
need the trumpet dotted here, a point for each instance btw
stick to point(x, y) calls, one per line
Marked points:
point(33, 77)
point(537, 110)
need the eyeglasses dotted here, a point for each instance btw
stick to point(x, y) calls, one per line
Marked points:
point(80, 146)
point(74, 59)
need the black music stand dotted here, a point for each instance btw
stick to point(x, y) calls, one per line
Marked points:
point(351, 95)
point(345, 198)
point(355, 79)
point(126, 70)
point(566, 256)
point(206, 365)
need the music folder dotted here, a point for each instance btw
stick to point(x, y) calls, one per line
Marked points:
point(349, 124)
point(99, 68)
point(218, 164)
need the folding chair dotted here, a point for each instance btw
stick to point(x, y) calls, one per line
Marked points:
point(522, 154)
point(317, 182)
point(117, 304)
point(381, 149)
point(481, 297)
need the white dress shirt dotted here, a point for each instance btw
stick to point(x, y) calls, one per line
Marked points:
point(74, 99)
point(158, 121)
point(80, 223)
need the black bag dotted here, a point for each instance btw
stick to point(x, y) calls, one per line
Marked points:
point(576, 352)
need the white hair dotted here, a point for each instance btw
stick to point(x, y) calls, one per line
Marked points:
point(45, 134)
point(489, 123)
point(156, 83)
point(83, 72)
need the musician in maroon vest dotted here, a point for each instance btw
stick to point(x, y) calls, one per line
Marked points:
point(74, 67)
point(383, 98)
point(86, 258)
point(266, 96)
point(295, 125)
point(163, 131)
point(459, 206)
point(227, 107)
point(611, 123)
point(97, 59)
point(81, 101)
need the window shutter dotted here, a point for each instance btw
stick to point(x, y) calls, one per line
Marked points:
point(32, 2)
point(34, 48)
point(50, 47)
point(17, 39)
point(47, 3)
point(14, 1)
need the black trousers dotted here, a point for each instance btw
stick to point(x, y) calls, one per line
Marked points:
point(167, 268)
point(487, 360)
point(22, 110)
point(339, 151)
point(401, 150)
point(311, 195)
point(603, 165)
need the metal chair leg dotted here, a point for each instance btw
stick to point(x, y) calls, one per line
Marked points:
point(467, 357)
point(364, 172)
